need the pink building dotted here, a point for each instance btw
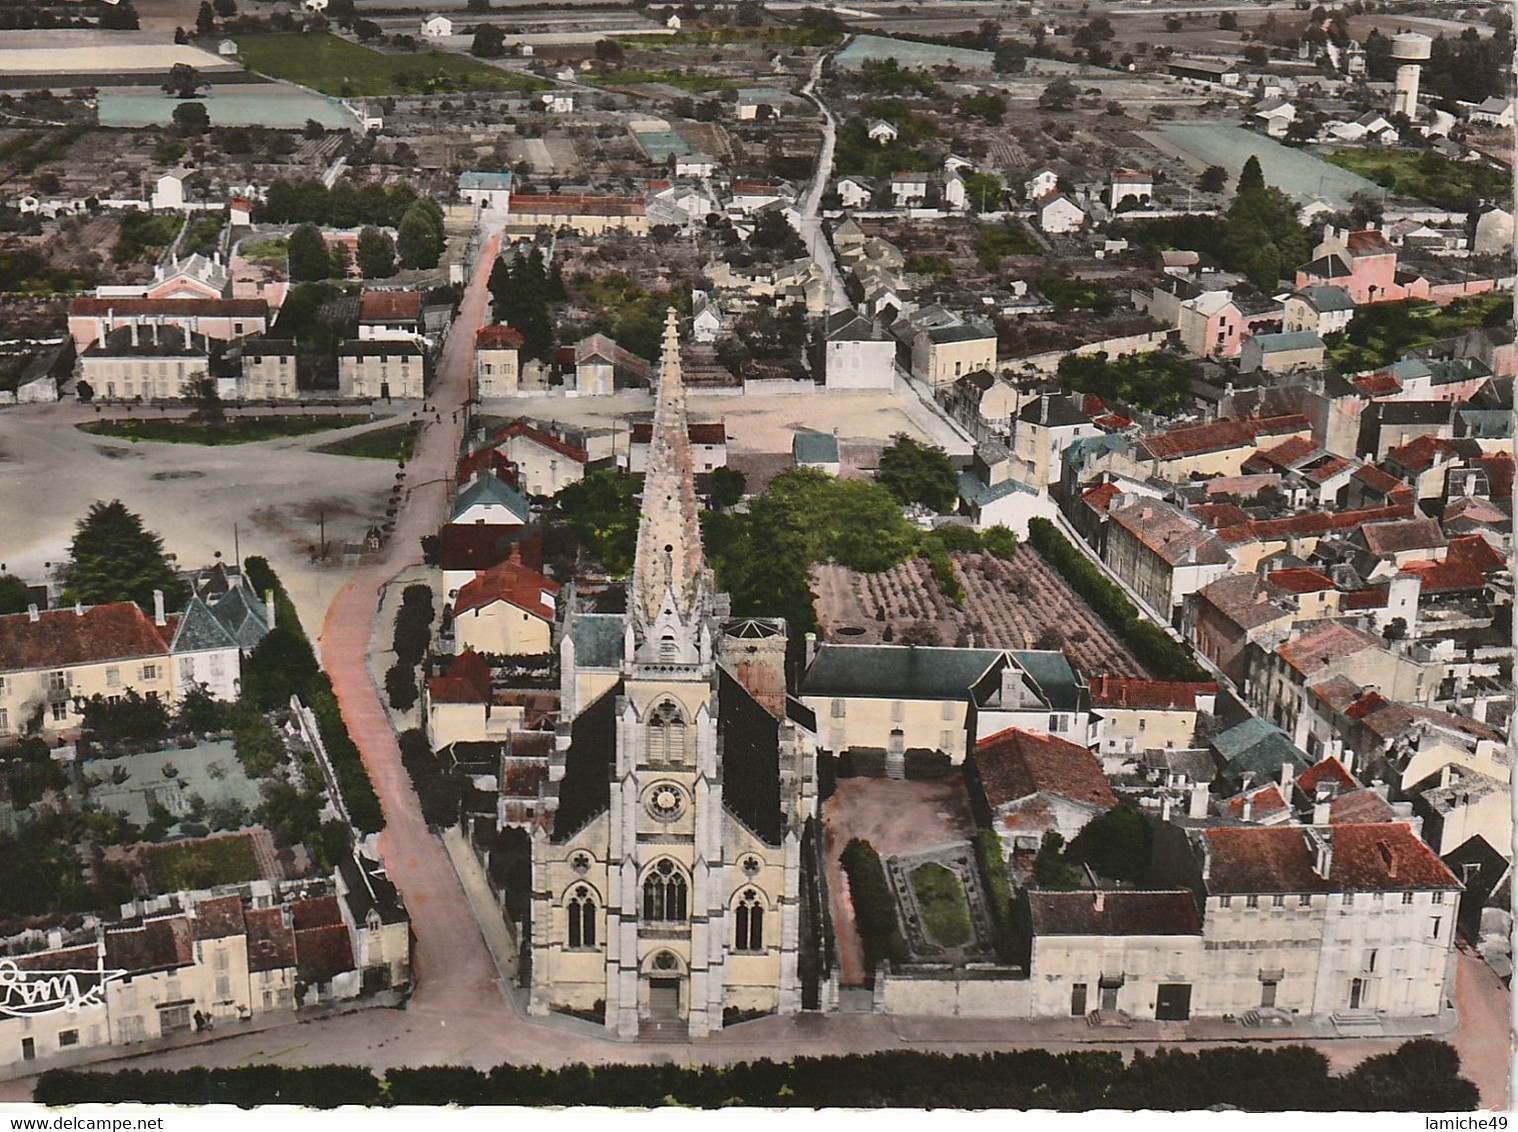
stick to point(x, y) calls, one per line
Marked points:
point(1362, 262)
point(222, 319)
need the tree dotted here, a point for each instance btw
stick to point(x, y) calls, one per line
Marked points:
point(1228, 22)
point(1252, 176)
point(181, 36)
point(915, 473)
point(226, 9)
point(205, 19)
point(1050, 868)
point(419, 239)
point(191, 119)
point(204, 396)
point(727, 487)
point(489, 42)
point(1420, 1075)
point(376, 254)
point(14, 594)
point(1213, 179)
point(121, 17)
point(1115, 845)
point(279, 667)
point(313, 130)
point(308, 255)
point(750, 14)
point(1059, 95)
point(132, 718)
point(115, 558)
point(201, 713)
point(400, 686)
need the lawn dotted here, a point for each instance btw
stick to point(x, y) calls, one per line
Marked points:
point(395, 444)
point(236, 430)
point(941, 899)
point(190, 865)
point(271, 250)
point(1425, 176)
point(334, 66)
point(1383, 332)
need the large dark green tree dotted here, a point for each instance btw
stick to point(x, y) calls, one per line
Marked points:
point(419, 239)
point(917, 473)
point(1115, 845)
point(308, 255)
point(13, 594)
point(116, 558)
point(280, 667)
point(376, 254)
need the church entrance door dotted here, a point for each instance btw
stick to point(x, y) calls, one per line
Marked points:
point(664, 1000)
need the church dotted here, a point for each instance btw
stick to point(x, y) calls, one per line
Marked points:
point(668, 884)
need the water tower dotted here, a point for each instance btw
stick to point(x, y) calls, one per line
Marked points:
point(1410, 49)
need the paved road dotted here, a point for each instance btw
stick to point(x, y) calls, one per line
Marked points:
point(811, 227)
point(454, 970)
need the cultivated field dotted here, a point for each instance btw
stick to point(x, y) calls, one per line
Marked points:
point(335, 66)
point(1021, 604)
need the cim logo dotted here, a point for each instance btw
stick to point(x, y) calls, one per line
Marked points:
point(25, 993)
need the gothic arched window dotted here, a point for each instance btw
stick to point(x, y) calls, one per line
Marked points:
point(750, 923)
point(582, 918)
point(664, 894)
point(666, 734)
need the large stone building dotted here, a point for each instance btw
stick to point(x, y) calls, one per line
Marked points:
point(667, 891)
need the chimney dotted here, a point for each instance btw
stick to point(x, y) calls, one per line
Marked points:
point(1248, 811)
point(1099, 900)
point(159, 618)
point(269, 607)
point(1321, 810)
point(1165, 808)
point(1322, 850)
point(32, 614)
point(78, 609)
point(133, 324)
point(1198, 806)
point(1288, 773)
point(1446, 773)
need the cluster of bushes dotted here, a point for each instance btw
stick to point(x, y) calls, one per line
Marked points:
point(1422, 1075)
point(316, 690)
point(1155, 382)
point(413, 632)
point(874, 905)
point(940, 543)
point(342, 206)
point(993, 867)
point(1163, 656)
point(438, 791)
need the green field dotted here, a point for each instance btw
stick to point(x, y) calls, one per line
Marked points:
point(334, 66)
point(395, 443)
point(941, 899)
point(236, 430)
point(1425, 176)
point(697, 84)
point(190, 865)
point(272, 250)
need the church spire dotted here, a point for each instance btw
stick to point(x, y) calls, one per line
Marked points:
point(669, 574)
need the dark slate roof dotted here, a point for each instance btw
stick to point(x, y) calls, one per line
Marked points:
point(379, 348)
point(750, 746)
point(218, 918)
point(896, 672)
point(1259, 747)
point(244, 616)
point(369, 888)
point(1054, 677)
point(585, 790)
point(154, 946)
point(199, 629)
point(598, 639)
point(1113, 913)
point(489, 489)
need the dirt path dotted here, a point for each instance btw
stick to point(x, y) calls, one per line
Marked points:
point(453, 968)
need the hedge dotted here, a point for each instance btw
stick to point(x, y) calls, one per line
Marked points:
point(348, 765)
point(1154, 648)
point(994, 867)
point(1421, 1075)
point(874, 905)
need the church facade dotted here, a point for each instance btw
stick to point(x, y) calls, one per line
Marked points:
point(667, 892)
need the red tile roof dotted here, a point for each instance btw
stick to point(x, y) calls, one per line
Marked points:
point(1216, 436)
point(486, 461)
point(479, 546)
point(1217, 515)
point(1499, 473)
point(1323, 644)
point(511, 582)
point(60, 638)
point(218, 918)
point(389, 306)
point(1014, 764)
point(1324, 468)
point(82, 958)
point(1113, 913)
point(1422, 452)
point(271, 943)
point(1329, 770)
point(1135, 692)
point(708, 433)
point(1241, 485)
point(1378, 856)
point(577, 204)
point(1447, 577)
point(1371, 597)
point(1368, 241)
point(1401, 535)
point(1170, 535)
point(1301, 580)
point(538, 436)
point(321, 953)
point(1282, 456)
point(317, 912)
point(466, 681)
point(1263, 802)
point(1310, 523)
point(1377, 384)
point(1358, 807)
point(497, 336)
point(1100, 496)
point(1475, 551)
point(1379, 480)
point(155, 946)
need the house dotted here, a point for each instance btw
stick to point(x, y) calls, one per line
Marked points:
point(168, 193)
point(1256, 750)
point(1131, 714)
point(883, 132)
point(600, 365)
point(149, 363)
point(212, 636)
point(748, 197)
point(497, 361)
point(1320, 309)
point(219, 319)
point(1371, 126)
point(1162, 553)
point(488, 190)
point(1274, 116)
point(1043, 182)
point(762, 102)
point(1033, 690)
point(942, 355)
point(1024, 784)
point(544, 463)
point(1362, 262)
point(855, 192)
point(1208, 322)
point(1057, 214)
point(1282, 353)
point(491, 502)
point(812, 449)
point(1117, 954)
point(383, 368)
point(1181, 264)
point(506, 611)
point(559, 102)
point(1206, 71)
point(1225, 616)
point(436, 27)
point(696, 165)
point(268, 370)
point(857, 353)
point(991, 495)
point(707, 323)
point(909, 190)
point(1136, 185)
point(1043, 428)
point(389, 315)
point(582, 214)
point(193, 277)
point(1495, 110)
point(708, 446)
point(377, 923)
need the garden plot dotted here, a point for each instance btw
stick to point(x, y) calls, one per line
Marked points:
point(942, 904)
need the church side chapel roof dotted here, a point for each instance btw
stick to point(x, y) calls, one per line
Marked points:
point(750, 738)
point(586, 787)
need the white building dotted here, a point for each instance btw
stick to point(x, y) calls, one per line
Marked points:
point(858, 353)
point(437, 27)
point(1057, 214)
